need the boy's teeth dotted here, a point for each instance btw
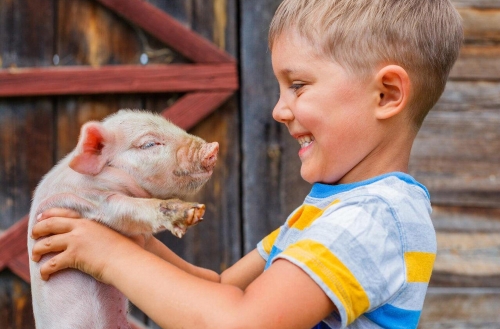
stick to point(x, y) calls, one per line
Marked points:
point(305, 141)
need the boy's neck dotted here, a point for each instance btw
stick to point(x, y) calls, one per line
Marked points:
point(392, 154)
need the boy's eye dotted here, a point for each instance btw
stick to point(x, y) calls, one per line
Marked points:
point(296, 86)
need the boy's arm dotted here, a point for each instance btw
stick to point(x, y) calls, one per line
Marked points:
point(282, 297)
point(240, 274)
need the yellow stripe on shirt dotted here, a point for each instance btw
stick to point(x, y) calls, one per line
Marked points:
point(419, 266)
point(269, 240)
point(306, 215)
point(333, 273)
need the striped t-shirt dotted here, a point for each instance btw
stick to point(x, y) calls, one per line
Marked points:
point(369, 245)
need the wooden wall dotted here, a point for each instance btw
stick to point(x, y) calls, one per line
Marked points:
point(257, 182)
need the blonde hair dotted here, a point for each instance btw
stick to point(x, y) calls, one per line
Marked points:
point(422, 36)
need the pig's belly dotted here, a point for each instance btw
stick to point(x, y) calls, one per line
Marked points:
point(72, 299)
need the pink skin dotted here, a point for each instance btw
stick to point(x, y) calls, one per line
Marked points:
point(126, 172)
point(322, 101)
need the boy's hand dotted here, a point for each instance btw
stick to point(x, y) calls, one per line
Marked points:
point(82, 244)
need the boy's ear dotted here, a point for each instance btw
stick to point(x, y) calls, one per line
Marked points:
point(90, 156)
point(393, 84)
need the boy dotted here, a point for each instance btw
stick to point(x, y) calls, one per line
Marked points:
point(357, 78)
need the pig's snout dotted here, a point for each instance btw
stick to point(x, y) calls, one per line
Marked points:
point(209, 155)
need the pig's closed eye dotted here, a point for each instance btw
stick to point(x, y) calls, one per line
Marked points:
point(148, 145)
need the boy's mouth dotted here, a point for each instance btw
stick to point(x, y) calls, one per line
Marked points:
point(305, 140)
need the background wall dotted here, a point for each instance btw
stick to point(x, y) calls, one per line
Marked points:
point(256, 181)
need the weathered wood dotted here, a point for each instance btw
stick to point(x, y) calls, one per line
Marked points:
point(117, 79)
point(466, 308)
point(168, 30)
point(24, 123)
point(481, 24)
point(462, 169)
point(466, 219)
point(468, 254)
point(476, 3)
point(469, 96)
point(261, 135)
point(477, 62)
point(190, 109)
point(13, 241)
point(16, 311)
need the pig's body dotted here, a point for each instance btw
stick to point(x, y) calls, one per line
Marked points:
point(126, 172)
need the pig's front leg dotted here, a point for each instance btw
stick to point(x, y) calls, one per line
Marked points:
point(133, 216)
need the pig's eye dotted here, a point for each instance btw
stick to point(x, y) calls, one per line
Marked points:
point(148, 145)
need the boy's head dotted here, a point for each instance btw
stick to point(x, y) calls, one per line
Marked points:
point(421, 36)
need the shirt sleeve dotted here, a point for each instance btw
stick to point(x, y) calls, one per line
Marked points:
point(354, 253)
point(265, 245)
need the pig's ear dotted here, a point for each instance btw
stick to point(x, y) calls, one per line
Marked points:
point(90, 156)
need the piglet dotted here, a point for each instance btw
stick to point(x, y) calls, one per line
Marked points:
point(128, 172)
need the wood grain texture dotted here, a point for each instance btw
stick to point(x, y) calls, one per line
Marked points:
point(193, 107)
point(462, 168)
point(168, 30)
point(481, 24)
point(482, 4)
point(461, 308)
point(16, 311)
point(117, 79)
point(262, 137)
point(25, 150)
point(13, 241)
point(477, 62)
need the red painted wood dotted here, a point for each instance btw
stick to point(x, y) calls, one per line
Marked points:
point(193, 107)
point(13, 241)
point(168, 30)
point(20, 265)
point(117, 79)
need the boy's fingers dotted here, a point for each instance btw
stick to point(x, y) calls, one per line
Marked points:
point(53, 225)
point(53, 243)
point(56, 263)
point(58, 212)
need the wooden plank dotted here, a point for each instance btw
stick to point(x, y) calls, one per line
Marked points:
point(466, 219)
point(481, 25)
point(13, 241)
point(20, 265)
point(263, 210)
point(16, 310)
point(476, 3)
point(193, 107)
point(469, 254)
point(168, 30)
point(477, 62)
point(461, 308)
point(117, 79)
point(469, 96)
point(25, 153)
point(468, 247)
point(462, 169)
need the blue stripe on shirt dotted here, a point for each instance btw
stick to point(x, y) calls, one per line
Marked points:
point(391, 317)
point(274, 251)
point(320, 190)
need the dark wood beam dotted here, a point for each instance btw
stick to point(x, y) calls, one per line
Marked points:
point(193, 107)
point(78, 80)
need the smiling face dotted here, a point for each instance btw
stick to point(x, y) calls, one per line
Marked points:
point(328, 110)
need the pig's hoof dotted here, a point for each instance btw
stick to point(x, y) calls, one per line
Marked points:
point(179, 230)
point(195, 214)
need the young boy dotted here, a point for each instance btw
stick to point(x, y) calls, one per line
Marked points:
point(357, 78)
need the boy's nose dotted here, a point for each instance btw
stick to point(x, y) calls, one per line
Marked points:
point(282, 112)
